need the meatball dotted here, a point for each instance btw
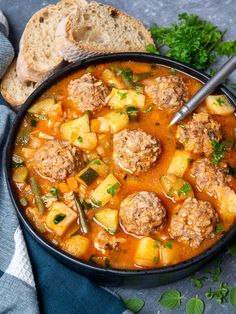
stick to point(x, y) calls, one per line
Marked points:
point(88, 93)
point(197, 134)
point(142, 213)
point(57, 160)
point(168, 92)
point(194, 222)
point(135, 150)
point(208, 176)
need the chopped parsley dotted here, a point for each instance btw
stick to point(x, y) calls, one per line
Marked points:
point(219, 102)
point(122, 94)
point(193, 41)
point(186, 188)
point(231, 170)
point(155, 259)
point(58, 218)
point(132, 113)
point(112, 190)
point(96, 162)
point(219, 227)
point(168, 244)
point(54, 191)
point(198, 282)
point(33, 123)
point(173, 71)
point(151, 49)
point(157, 243)
point(148, 109)
point(80, 139)
point(107, 263)
point(220, 294)
point(86, 205)
point(218, 152)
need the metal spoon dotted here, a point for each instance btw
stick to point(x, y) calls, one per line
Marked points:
point(207, 89)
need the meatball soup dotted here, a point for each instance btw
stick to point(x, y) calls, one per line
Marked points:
point(100, 173)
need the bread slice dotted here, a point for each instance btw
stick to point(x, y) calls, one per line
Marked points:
point(99, 28)
point(12, 90)
point(38, 57)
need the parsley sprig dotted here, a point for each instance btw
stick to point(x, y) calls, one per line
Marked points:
point(192, 41)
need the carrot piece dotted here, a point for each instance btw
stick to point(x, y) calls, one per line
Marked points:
point(72, 183)
point(63, 187)
point(95, 125)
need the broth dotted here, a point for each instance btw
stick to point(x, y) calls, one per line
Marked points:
point(102, 247)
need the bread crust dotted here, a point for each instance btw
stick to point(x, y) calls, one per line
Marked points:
point(72, 49)
point(29, 65)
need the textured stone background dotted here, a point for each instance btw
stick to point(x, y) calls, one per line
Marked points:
point(163, 12)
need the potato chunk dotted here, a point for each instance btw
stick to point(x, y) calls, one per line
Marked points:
point(86, 141)
point(108, 219)
point(46, 106)
point(179, 163)
point(110, 79)
point(120, 99)
point(59, 218)
point(219, 104)
point(168, 255)
point(147, 252)
point(20, 175)
point(117, 120)
point(176, 188)
point(72, 129)
point(227, 201)
point(105, 191)
point(77, 245)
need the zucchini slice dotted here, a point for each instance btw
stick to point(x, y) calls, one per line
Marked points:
point(107, 218)
point(88, 176)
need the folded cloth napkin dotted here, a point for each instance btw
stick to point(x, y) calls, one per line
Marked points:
point(58, 289)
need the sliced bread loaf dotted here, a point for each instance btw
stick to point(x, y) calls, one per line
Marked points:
point(38, 57)
point(99, 28)
point(12, 90)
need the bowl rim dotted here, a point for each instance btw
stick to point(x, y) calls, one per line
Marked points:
point(60, 74)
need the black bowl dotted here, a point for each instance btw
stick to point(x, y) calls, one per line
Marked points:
point(112, 277)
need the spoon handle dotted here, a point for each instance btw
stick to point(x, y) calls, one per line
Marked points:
point(207, 89)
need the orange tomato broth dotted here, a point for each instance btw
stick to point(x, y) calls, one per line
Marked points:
point(154, 122)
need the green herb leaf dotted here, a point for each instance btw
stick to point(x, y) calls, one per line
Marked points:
point(170, 299)
point(135, 305)
point(96, 162)
point(112, 190)
point(132, 113)
point(157, 243)
point(173, 71)
point(155, 259)
point(219, 227)
point(151, 48)
point(107, 263)
point(58, 218)
point(186, 188)
point(80, 139)
point(220, 294)
point(54, 191)
point(195, 306)
point(148, 109)
point(216, 274)
point(168, 244)
point(122, 94)
point(193, 41)
point(218, 152)
point(232, 248)
point(33, 123)
point(86, 205)
point(232, 296)
point(198, 282)
point(231, 171)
